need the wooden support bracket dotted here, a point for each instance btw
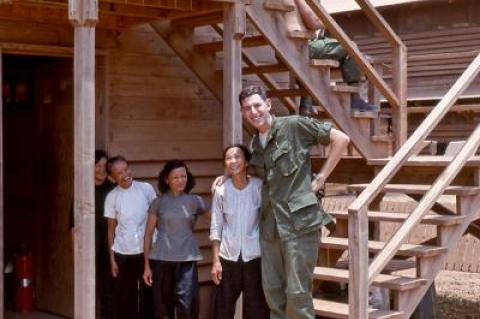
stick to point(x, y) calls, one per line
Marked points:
point(83, 12)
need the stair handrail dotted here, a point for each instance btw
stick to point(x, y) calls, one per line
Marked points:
point(396, 97)
point(361, 275)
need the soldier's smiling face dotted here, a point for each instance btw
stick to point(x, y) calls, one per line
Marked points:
point(256, 111)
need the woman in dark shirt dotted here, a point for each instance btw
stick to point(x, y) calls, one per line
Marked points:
point(171, 263)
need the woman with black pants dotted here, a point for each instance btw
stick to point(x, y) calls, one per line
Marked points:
point(234, 233)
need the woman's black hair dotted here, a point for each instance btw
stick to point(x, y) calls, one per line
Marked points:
point(167, 168)
point(246, 153)
point(99, 154)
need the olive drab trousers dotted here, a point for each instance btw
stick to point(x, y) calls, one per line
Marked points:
point(287, 275)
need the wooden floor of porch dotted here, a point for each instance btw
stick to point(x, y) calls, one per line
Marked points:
point(30, 315)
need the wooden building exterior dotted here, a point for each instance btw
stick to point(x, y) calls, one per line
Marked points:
point(153, 80)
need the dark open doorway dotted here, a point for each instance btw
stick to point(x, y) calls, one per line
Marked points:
point(38, 172)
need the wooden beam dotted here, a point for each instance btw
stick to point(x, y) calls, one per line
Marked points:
point(249, 42)
point(181, 40)
point(234, 22)
point(35, 12)
point(83, 15)
point(35, 49)
point(399, 83)
point(199, 20)
point(459, 108)
point(265, 68)
point(2, 239)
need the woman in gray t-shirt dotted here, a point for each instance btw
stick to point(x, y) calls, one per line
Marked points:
point(171, 263)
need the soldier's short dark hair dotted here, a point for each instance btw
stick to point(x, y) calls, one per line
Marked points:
point(252, 90)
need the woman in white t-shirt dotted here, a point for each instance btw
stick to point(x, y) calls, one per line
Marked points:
point(235, 239)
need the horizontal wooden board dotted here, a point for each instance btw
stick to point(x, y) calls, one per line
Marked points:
point(168, 131)
point(202, 168)
point(376, 246)
point(164, 108)
point(155, 150)
point(382, 280)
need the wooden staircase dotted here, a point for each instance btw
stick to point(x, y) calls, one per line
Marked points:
point(428, 259)
point(320, 78)
point(369, 259)
point(450, 225)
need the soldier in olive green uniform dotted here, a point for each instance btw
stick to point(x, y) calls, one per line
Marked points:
point(291, 214)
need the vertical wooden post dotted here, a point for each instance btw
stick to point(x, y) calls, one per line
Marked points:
point(358, 264)
point(399, 82)
point(234, 29)
point(83, 15)
point(234, 23)
point(1, 191)
point(374, 97)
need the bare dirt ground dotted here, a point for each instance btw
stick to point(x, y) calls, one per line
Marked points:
point(458, 295)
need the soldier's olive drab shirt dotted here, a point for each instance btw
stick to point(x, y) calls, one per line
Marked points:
point(289, 205)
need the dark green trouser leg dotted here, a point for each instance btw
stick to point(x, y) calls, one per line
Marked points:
point(350, 71)
point(328, 48)
point(287, 274)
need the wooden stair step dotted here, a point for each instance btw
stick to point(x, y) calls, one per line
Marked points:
point(375, 246)
point(416, 189)
point(339, 310)
point(394, 282)
point(427, 160)
point(287, 92)
point(430, 219)
point(365, 115)
point(217, 46)
point(343, 88)
point(325, 62)
point(276, 5)
point(392, 266)
point(382, 138)
point(266, 68)
point(301, 34)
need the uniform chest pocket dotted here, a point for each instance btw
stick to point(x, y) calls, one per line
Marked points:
point(283, 159)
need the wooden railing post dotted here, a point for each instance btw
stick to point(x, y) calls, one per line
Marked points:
point(234, 24)
point(358, 264)
point(374, 98)
point(399, 82)
point(83, 14)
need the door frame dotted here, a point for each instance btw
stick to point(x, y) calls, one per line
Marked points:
point(2, 306)
point(45, 51)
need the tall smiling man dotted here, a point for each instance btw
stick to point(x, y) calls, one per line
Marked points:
point(291, 214)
